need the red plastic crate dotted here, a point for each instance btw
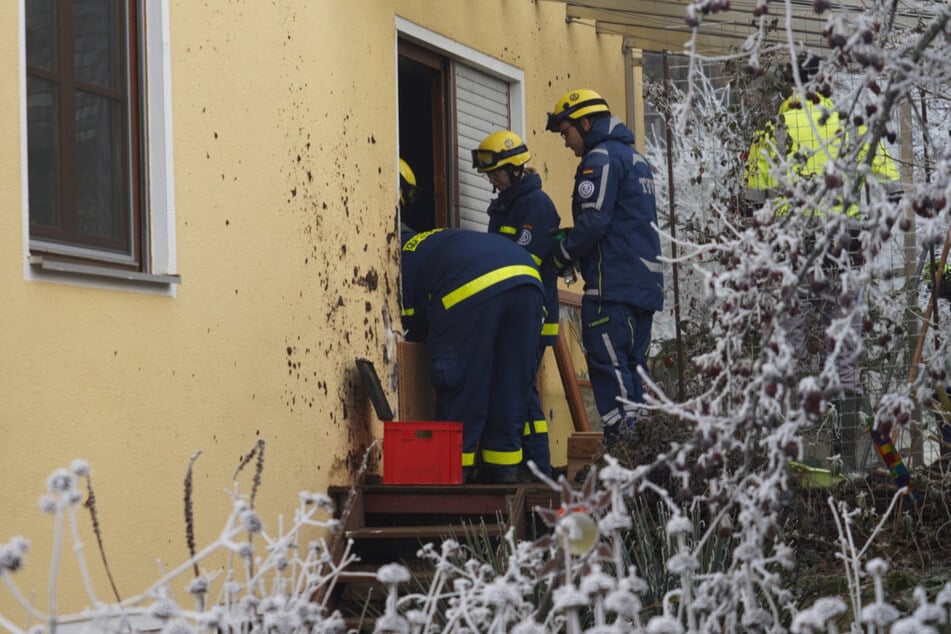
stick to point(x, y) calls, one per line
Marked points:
point(423, 452)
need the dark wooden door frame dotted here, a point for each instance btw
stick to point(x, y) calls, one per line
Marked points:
point(440, 122)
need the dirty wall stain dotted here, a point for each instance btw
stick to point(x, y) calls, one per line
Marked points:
point(337, 238)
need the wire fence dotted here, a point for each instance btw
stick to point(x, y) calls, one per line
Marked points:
point(695, 178)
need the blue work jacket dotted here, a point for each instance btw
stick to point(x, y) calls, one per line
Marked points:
point(524, 213)
point(613, 209)
point(446, 270)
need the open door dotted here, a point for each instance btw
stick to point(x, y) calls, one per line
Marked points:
point(423, 132)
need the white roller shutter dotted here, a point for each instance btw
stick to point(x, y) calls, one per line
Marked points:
point(482, 107)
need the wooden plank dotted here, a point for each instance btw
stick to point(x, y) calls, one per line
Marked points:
point(421, 532)
point(566, 367)
point(569, 381)
point(447, 503)
point(416, 394)
point(582, 447)
point(584, 444)
point(348, 509)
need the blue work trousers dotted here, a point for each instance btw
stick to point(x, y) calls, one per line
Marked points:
point(483, 360)
point(616, 339)
point(535, 446)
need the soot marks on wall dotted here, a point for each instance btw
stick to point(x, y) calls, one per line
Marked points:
point(348, 284)
point(369, 280)
point(355, 405)
point(303, 385)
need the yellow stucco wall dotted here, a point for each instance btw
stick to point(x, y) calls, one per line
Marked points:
point(285, 146)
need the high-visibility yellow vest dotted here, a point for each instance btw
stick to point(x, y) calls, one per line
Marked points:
point(812, 136)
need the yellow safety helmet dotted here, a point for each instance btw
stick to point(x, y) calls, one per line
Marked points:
point(407, 184)
point(500, 148)
point(574, 105)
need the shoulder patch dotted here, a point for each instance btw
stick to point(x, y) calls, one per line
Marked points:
point(524, 237)
point(586, 189)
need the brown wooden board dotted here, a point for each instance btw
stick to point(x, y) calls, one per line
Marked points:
point(416, 394)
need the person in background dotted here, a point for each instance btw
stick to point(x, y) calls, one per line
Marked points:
point(615, 244)
point(808, 134)
point(476, 300)
point(526, 215)
point(408, 187)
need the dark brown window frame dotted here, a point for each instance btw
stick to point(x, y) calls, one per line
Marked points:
point(63, 241)
point(439, 105)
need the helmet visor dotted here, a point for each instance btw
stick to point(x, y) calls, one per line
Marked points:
point(486, 160)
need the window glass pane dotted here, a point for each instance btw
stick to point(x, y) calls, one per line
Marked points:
point(43, 152)
point(40, 34)
point(100, 165)
point(97, 44)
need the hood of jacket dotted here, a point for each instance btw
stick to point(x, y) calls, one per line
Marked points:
point(608, 129)
point(527, 183)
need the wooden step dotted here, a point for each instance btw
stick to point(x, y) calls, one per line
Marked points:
point(390, 523)
point(442, 502)
point(582, 447)
point(359, 581)
point(422, 532)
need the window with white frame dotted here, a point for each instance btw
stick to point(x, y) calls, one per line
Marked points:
point(98, 154)
point(451, 97)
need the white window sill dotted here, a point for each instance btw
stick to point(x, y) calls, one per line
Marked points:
point(57, 268)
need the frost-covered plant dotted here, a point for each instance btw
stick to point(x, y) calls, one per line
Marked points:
point(749, 402)
point(586, 583)
point(753, 397)
point(276, 594)
point(575, 578)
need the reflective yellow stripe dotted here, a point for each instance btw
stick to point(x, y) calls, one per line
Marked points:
point(501, 457)
point(413, 242)
point(537, 259)
point(485, 281)
point(509, 230)
point(408, 312)
point(550, 329)
point(541, 427)
point(468, 459)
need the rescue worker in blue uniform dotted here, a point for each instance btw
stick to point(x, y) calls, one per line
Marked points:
point(476, 300)
point(615, 244)
point(526, 215)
